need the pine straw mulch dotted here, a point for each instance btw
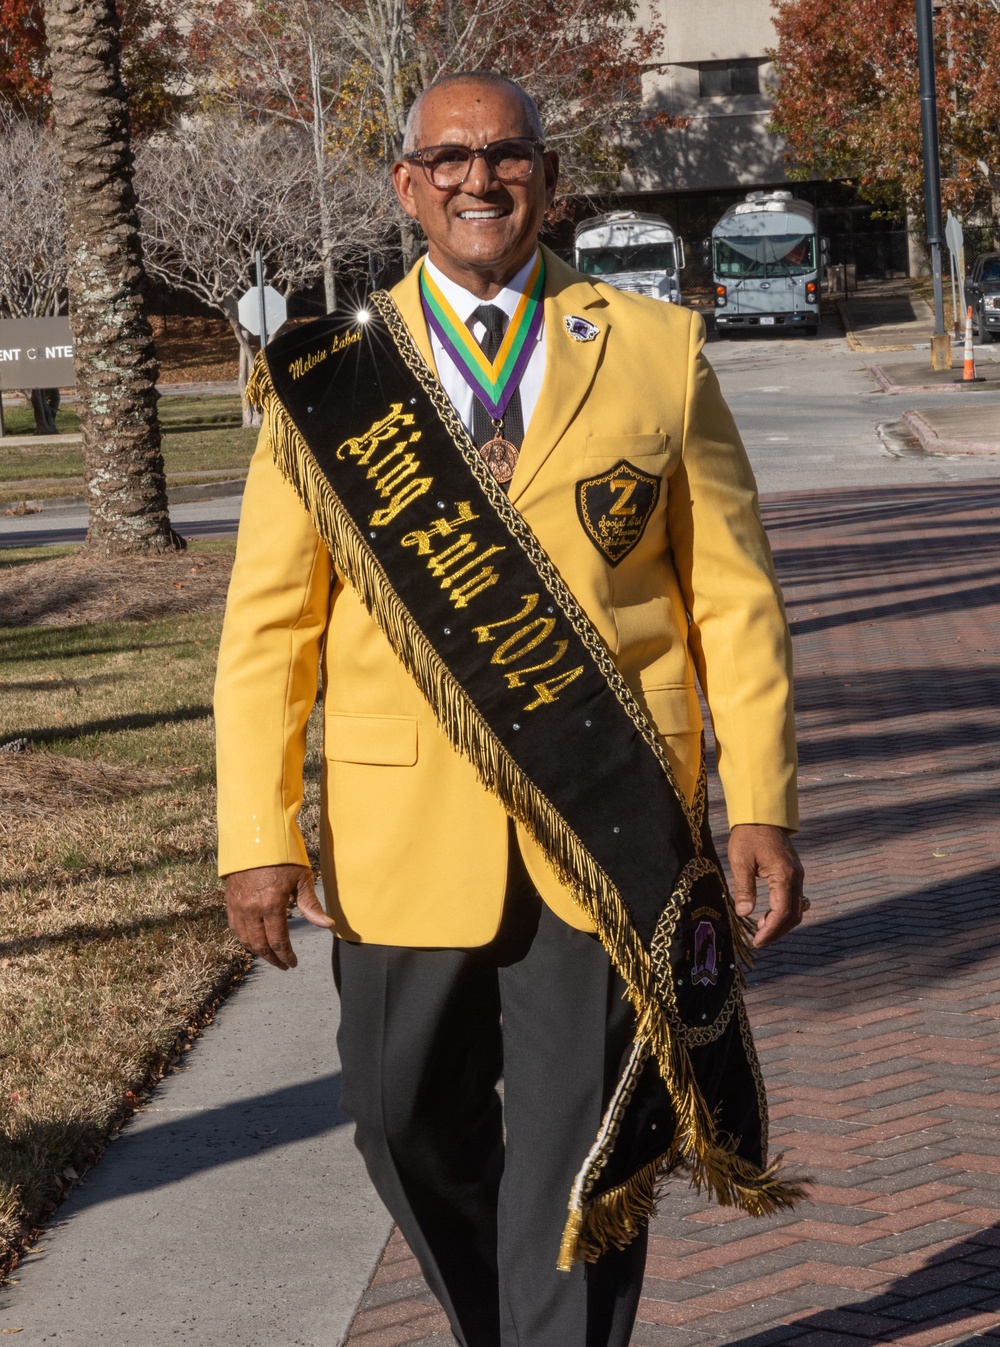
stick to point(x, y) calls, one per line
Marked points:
point(48, 785)
point(84, 588)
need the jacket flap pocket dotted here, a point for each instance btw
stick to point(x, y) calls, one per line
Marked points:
point(388, 741)
point(675, 709)
point(626, 446)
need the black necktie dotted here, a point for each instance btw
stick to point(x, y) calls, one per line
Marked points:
point(495, 322)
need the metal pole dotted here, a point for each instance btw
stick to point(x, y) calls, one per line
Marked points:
point(260, 299)
point(940, 341)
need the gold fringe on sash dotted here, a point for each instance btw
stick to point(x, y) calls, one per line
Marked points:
point(615, 1217)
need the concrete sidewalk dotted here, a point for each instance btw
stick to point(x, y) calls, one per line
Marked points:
point(876, 1020)
point(886, 319)
point(233, 1209)
point(967, 422)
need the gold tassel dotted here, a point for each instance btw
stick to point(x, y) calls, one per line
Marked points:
point(608, 1219)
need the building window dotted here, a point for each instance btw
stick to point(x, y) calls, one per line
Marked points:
point(722, 79)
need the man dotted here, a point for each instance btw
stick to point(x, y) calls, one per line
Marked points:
point(469, 948)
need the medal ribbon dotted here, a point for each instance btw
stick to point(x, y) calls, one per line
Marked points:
point(493, 383)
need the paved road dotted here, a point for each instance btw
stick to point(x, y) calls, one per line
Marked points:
point(877, 1020)
point(808, 410)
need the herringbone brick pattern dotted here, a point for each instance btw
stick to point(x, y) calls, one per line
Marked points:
point(876, 1021)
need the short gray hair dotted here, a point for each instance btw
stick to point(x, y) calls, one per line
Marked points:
point(531, 113)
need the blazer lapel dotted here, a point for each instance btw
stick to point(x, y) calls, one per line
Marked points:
point(406, 294)
point(570, 366)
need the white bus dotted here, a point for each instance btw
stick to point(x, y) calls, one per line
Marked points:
point(633, 252)
point(766, 260)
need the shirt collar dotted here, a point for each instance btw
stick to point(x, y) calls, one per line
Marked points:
point(464, 302)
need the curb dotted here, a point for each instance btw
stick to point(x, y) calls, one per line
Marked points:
point(884, 382)
point(855, 342)
point(933, 443)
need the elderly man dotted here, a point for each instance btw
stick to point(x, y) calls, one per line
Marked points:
point(506, 523)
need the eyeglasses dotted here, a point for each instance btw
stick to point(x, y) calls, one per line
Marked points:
point(449, 165)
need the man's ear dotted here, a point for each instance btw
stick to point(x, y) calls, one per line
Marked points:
point(402, 181)
point(550, 163)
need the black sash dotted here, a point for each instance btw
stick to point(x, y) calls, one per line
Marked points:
point(525, 688)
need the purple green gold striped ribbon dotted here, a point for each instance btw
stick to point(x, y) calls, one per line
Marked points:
point(494, 382)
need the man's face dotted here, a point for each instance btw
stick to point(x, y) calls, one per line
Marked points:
point(482, 232)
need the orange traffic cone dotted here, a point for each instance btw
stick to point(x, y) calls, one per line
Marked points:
point(969, 365)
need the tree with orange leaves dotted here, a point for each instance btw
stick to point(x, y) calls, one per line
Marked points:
point(347, 70)
point(153, 50)
point(847, 99)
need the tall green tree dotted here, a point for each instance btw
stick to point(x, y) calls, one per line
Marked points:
point(116, 364)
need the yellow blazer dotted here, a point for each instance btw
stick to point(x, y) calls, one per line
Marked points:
point(414, 850)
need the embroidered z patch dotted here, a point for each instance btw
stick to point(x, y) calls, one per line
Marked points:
point(615, 508)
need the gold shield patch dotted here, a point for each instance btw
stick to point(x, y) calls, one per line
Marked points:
point(615, 508)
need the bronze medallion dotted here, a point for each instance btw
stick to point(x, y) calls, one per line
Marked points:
point(500, 456)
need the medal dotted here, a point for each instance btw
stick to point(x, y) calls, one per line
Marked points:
point(492, 381)
point(499, 455)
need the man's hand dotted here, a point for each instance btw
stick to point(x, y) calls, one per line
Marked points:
point(760, 849)
point(257, 905)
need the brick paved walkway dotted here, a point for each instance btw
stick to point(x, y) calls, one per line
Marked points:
point(877, 1022)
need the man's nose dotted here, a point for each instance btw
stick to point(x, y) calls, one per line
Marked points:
point(481, 177)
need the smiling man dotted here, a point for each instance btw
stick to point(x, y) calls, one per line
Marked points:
point(509, 525)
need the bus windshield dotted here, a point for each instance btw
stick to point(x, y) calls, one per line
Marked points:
point(638, 257)
point(767, 255)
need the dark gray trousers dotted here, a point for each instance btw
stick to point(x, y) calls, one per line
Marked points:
point(480, 1190)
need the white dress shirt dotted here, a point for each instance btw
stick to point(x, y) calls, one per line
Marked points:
point(465, 303)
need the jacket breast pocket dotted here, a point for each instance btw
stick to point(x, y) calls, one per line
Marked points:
point(383, 741)
point(673, 709)
point(626, 446)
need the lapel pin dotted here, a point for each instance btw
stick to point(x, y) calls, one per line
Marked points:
point(579, 328)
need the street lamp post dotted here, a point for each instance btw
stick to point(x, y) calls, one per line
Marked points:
point(941, 340)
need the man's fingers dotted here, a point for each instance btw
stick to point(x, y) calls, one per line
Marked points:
point(257, 905)
point(279, 948)
point(783, 914)
point(759, 849)
point(310, 907)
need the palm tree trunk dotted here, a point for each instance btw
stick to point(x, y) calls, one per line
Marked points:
point(116, 365)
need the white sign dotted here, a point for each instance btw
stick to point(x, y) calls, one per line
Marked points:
point(275, 310)
point(36, 353)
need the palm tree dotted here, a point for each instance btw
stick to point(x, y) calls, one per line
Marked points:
point(116, 365)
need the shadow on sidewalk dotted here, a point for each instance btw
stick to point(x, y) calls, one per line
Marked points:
point(886, 506)
point(146, 1157)
point(957, 1286)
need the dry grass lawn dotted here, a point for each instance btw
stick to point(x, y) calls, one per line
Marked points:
point(113, 946)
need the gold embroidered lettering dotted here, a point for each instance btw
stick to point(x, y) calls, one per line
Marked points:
point(626, 485)
point(440, 528)
point(462, 595)
point(549, 689)
point(363, 446)
point(304, 363)
point(410, 492)
point(441, 564)
point(483, 634)
point(394, 452)
point(516, 678)
point(406, 467)
point(469, 565)
point(524, 641)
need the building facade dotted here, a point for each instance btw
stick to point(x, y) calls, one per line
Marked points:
point(713, 71)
